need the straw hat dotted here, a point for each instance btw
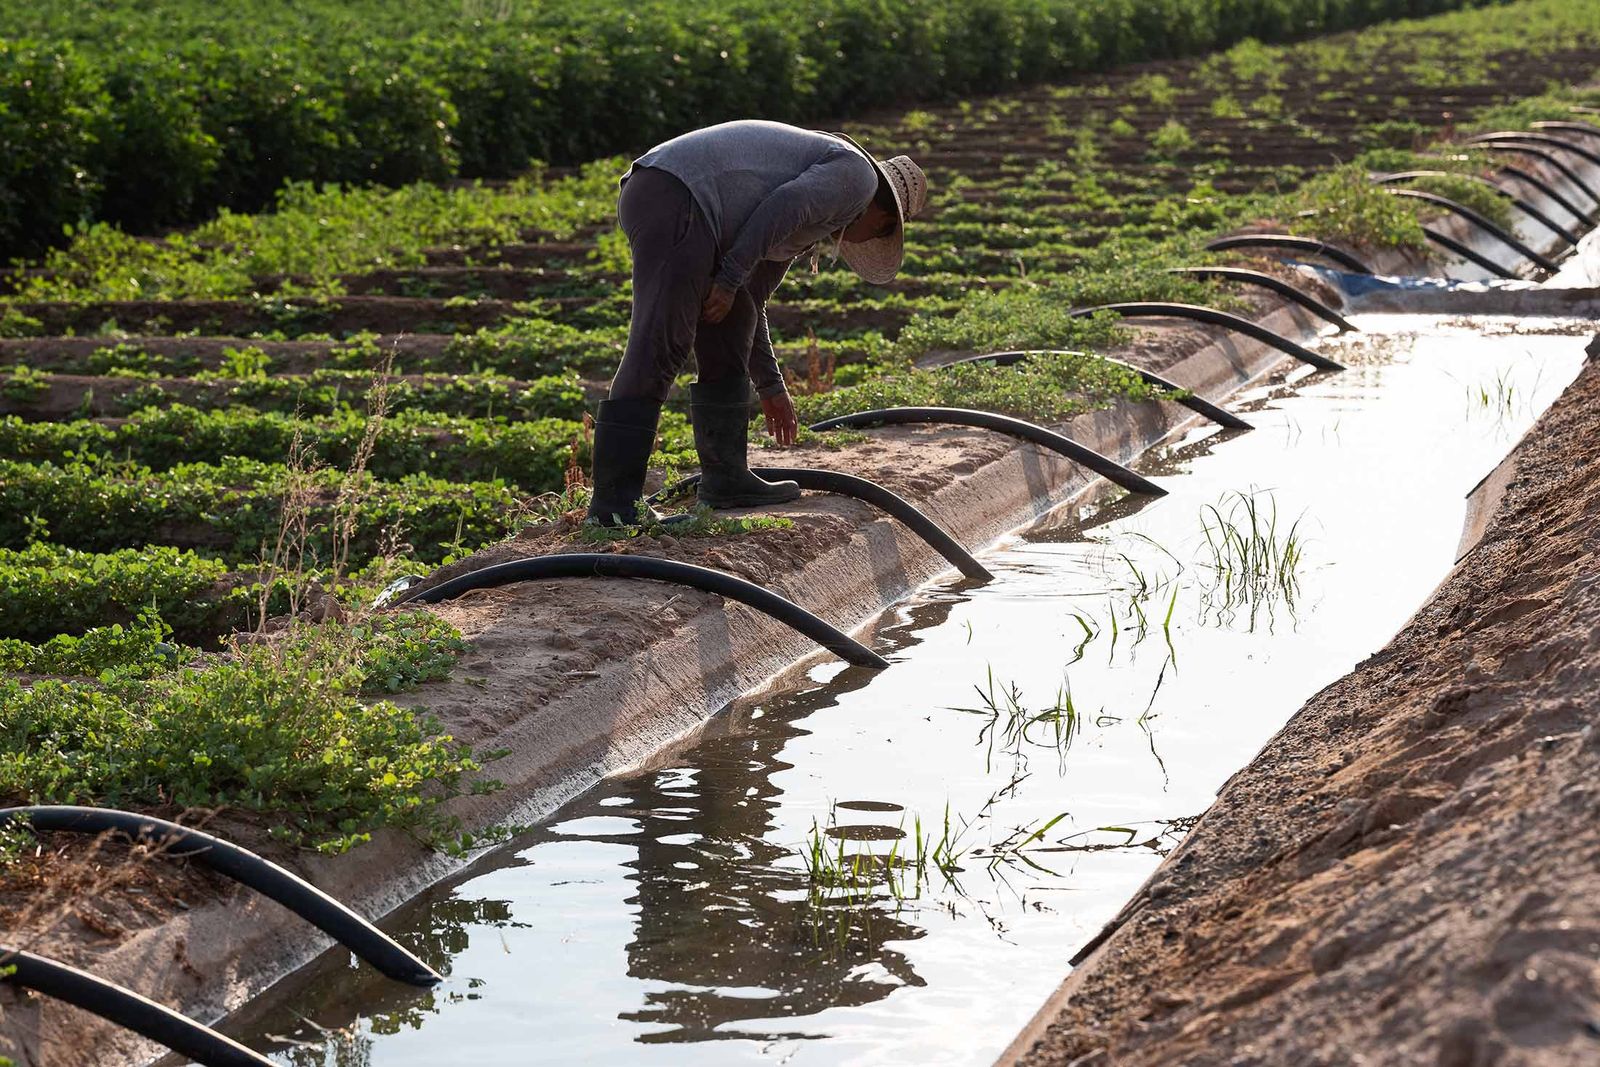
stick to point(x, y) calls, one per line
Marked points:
point(878, 260)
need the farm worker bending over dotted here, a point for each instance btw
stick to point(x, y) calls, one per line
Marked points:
point(714, 218)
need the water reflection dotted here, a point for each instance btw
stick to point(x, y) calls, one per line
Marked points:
point(726, 916)
point(321, 1034)
point(723, 913)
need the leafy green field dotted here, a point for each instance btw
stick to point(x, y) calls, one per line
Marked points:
point(173, 412)
point(149, 113)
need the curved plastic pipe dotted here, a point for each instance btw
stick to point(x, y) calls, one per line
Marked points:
point(1451, 244)
point(1276, 285)
point(1547, 189)
point(1213, 317)
point(127, 1009)
point(1538, 150)
point(1509, 136)
point(1197, 404)
point(1485, 224)
point(1584, 128)
point(245, 867)
point(871, 492)
point(988, 420)
point(1505, 194)
point(616, 565)
point(1286, 242)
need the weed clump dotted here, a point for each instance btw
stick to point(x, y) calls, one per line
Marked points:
point(1049, 387)
point(276, 727)
point(1343, 205)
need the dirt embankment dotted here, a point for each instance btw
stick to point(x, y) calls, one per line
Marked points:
point(1410, 871)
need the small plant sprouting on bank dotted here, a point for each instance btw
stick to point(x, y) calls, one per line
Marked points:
point(1254, 564)
point(702, 522)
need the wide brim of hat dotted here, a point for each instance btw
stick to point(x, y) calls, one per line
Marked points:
point(877, 261)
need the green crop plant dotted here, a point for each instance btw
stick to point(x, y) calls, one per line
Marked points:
point(1173, 138)
point(234, 508)
point(1343, 205)
point(47, 590)
point(137, 650)
point(338, 392)
point(14, 323)
point(23, 384)
point(315, 234)
point(1556, 105)
point(1225, 106)
point(528, 453)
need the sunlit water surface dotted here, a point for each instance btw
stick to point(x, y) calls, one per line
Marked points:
point(667, 916)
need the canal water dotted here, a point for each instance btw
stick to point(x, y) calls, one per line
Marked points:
point(1046, 738)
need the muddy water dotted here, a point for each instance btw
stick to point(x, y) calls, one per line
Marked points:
point(1107, 682)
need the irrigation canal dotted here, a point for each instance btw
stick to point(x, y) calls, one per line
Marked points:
point(1112, 674)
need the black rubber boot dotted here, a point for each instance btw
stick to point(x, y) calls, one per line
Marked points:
point(721, 415)
point(624, 437)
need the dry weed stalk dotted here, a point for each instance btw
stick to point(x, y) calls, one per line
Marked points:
point(288, 558)
point(292, 561)
point(573, 477)
point(356, 484)
point(819, 369)
point(67, 885)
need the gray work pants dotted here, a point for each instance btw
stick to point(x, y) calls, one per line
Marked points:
point(674, 258)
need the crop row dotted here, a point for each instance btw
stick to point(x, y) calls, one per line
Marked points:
point(237, 509)
point(530, 454)
point(47, 590)
point(151, 116)
point(327, 392)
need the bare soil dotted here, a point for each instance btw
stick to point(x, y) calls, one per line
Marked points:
point(1410, 871)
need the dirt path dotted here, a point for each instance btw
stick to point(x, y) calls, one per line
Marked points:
point(1410, 871)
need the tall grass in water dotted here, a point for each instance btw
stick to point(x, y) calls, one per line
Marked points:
point(847, 880)
point(1015, 727)
point(1254, 563)
point(1501, 400)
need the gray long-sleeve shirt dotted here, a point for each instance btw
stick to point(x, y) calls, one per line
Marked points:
point(769, 191)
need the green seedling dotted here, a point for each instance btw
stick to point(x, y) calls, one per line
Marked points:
point(1253, 565)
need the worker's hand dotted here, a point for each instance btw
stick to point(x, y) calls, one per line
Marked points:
point(718, 303)
point(782, 423)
